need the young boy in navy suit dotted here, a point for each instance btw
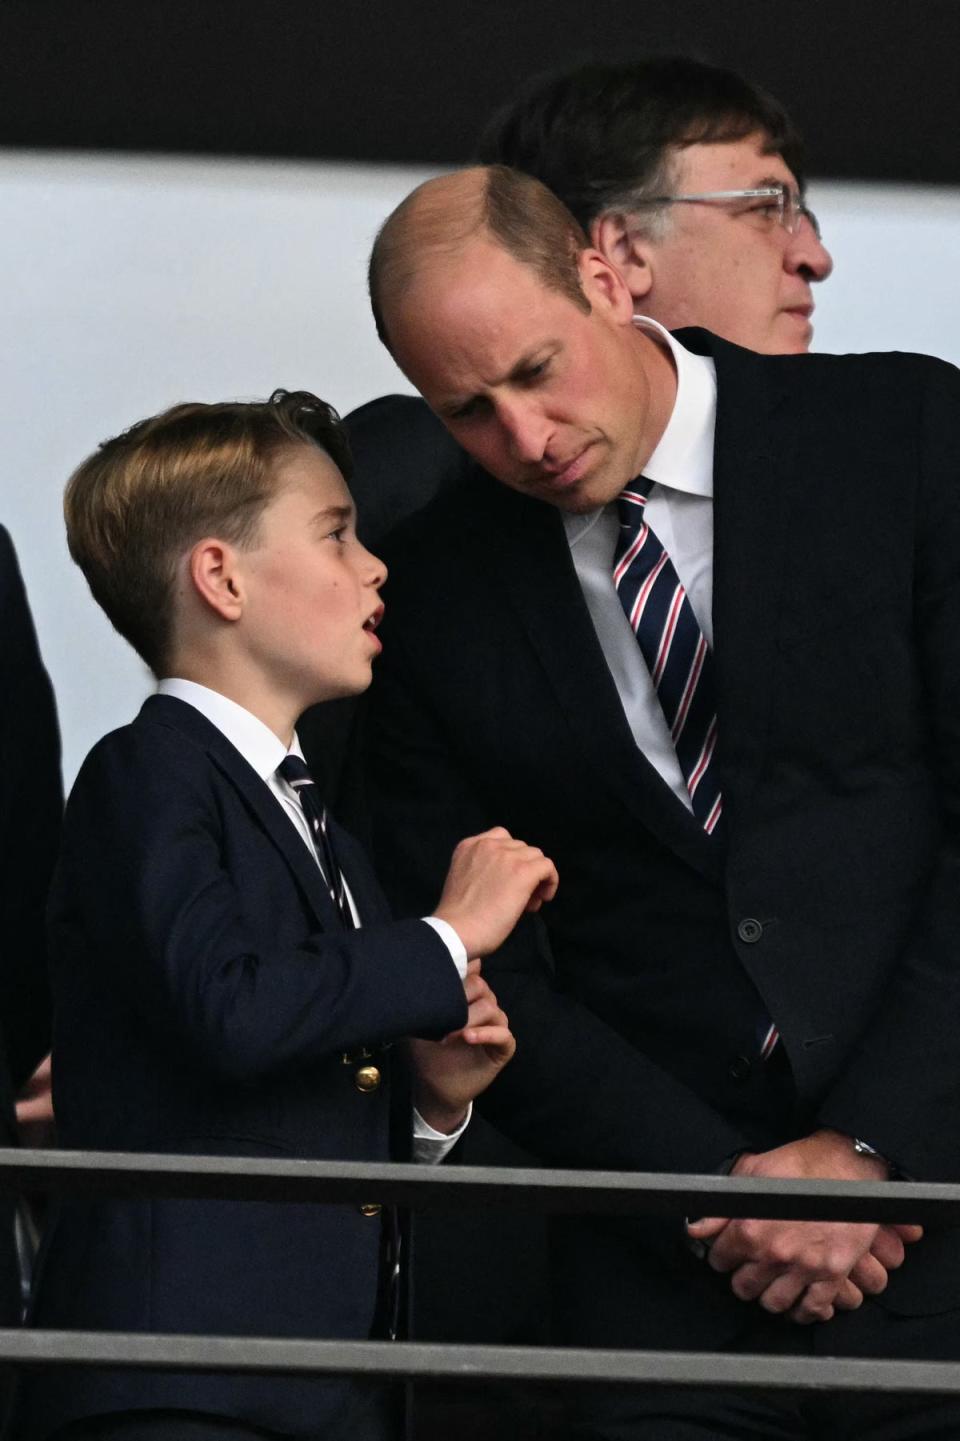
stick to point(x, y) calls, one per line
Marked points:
point(227, 977)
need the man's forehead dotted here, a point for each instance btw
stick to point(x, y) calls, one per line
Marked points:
point(746, 161)
point(471, 290)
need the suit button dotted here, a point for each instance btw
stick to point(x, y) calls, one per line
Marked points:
point(749, 930)
point(739, 1069)
point(367, 1079)
point(372, 1210)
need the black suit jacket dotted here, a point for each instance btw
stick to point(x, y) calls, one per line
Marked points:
point(31, 808)
point(836, 620)
point(205, 995)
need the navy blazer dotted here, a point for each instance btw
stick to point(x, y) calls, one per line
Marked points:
point(836, 622)
point(205, 994)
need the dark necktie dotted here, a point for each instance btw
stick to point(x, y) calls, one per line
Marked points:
point(298, 778)
point(680, 664)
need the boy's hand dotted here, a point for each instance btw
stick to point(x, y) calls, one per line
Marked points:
point(492, 880)
point(451, 1072)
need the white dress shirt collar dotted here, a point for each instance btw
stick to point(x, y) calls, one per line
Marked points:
point(683, 459)
point(256, 742)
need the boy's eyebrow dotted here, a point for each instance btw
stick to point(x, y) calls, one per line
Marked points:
point(340, 513)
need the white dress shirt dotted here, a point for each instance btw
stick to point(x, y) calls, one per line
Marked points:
point(679, 511)
point(263, 751)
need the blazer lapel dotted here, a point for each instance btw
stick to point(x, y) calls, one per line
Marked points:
point(538, 576)
point(255, 795)
point(755, 472)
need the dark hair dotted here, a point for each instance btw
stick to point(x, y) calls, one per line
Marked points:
point(514, 209)
point(600, 136)
point(145, 497)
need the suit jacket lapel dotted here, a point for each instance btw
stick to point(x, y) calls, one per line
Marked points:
point(256, 796)
point(755, 470)
point(538, 576)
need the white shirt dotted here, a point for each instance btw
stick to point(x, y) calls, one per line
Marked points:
point(263, 751)
point(679, 511)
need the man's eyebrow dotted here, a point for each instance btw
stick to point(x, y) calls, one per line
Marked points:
point(526, 362)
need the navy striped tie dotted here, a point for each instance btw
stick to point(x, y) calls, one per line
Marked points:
point(681, 667)
point(297, 776)
point(675, 650)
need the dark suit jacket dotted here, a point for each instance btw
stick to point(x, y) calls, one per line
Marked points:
point(31, 808)
point(836, 619)
point(205, 993)
point(402, 456)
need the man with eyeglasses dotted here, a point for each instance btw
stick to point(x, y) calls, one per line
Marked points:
point(687, 177)
point(690, 180)
point(690, 623)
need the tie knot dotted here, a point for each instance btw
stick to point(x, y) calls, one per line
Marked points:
point(630, 503)
point(295, 772)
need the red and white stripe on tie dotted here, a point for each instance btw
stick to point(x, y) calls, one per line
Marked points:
point(675, 650)
point(680, 664)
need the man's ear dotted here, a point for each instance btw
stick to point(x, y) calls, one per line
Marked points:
point(604, 286)
point(619, 241)
point(216, 577)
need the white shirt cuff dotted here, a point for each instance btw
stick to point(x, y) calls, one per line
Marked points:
point(452, 942)
point(431, 1146)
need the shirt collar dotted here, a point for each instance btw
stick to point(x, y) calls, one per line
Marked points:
point(683, 459)
point(256, 742)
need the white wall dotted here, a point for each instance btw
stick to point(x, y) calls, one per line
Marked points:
point(127, 284)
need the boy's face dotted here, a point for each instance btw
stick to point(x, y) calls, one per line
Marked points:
point(311, 598)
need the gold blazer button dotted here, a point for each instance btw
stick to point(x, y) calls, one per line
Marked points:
point(372, 1210)
point(367, 1079)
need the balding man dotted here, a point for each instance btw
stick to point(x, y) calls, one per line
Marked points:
point(690, 179)
point(700, 645)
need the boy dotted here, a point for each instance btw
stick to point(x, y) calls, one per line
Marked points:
point(227, 977)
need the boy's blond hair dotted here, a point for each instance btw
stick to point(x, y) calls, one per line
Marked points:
point(137, 505)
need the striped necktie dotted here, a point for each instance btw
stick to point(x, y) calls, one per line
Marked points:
point(675, 650)
point(298, 778)
point(297, 775)
point(681, 667)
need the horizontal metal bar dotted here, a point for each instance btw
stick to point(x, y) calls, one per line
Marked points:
point(419, 1361)
point(122, 1174)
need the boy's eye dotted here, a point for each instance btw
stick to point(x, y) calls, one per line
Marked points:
point(339, 535)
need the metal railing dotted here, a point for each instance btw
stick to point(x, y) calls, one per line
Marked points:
point(116, 1174)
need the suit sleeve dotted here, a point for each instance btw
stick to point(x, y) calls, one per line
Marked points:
point(224, 963)
point(31, 809)
point(576, 1093)
point(901, 1088)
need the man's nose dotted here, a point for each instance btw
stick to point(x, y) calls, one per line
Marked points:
point(807, 253)
point(526, 430)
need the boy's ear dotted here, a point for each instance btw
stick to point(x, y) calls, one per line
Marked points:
point(617, 238)
point(215, 573)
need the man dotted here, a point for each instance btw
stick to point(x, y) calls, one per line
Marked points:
point(672, 167)
point(732, 723)
point(654, 159)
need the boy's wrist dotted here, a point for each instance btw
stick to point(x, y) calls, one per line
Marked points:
point(441, 1115)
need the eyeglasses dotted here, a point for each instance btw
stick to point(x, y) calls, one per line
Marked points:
point(788, 205)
